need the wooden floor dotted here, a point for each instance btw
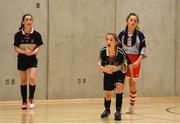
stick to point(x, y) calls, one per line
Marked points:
point(148, 110)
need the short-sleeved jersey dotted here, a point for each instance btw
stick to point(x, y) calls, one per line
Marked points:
point(120, 57)
point(134, 44)
point(27, 41)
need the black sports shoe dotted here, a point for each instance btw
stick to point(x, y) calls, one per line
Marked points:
point(117, 115)
point(105, 114)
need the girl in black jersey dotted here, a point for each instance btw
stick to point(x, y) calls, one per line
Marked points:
point(27, 44)
point(113, 63)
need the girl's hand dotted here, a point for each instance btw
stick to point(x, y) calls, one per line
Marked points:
point(135, 64)
point(29, 52)
point(109, 71)
point(106, 69)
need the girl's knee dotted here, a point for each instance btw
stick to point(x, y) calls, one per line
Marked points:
point(108, 95)
point(118, 91)
point(119, 88)
point(23, 83)
point(31, 79)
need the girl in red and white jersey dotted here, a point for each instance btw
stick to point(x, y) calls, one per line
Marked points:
point(132, 40)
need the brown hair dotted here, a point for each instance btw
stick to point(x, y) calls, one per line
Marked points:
point(22, 26)
point(132, 14)
point(114, 35)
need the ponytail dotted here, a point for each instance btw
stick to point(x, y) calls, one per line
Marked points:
point(21, 27)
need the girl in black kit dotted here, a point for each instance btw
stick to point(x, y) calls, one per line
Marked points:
point(113, 63)
point(27, 44)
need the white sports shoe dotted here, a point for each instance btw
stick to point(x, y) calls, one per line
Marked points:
point(31, 104)
point(130, 110)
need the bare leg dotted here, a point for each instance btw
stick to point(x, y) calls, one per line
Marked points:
point(23, 77)
point(32, 76)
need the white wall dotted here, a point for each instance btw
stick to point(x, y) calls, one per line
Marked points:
point(73, 32)
point(157, 21)
point(11, 15)
point(177, 47)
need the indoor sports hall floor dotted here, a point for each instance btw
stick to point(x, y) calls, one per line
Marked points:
point(148, 110)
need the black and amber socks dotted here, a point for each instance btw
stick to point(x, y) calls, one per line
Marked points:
point(119, 101)
point(31, 91)
point(24, 93)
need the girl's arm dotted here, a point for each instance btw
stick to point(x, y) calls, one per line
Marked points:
point(18, 50)
point(36, 51)
point(139, 60)
point(21, 51)
point(104, 69)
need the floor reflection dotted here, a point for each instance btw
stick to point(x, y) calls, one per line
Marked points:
point(27, 116)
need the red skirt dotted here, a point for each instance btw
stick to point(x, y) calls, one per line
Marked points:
point(136, 70)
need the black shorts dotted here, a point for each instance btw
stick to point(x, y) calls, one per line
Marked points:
point(25, 62)
point(110, 80)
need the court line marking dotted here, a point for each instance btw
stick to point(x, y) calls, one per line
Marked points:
point(172, 112)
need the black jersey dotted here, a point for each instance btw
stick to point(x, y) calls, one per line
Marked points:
point(119, 59)
point(27, 41)
point(134, 44)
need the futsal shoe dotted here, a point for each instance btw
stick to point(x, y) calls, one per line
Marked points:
point(24, 106)
point(31, 104)
point(117, 116)
point(130, 110)
point(105, 114)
